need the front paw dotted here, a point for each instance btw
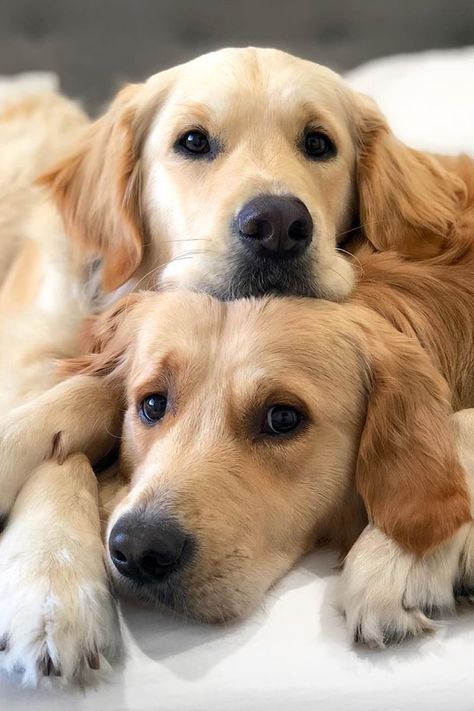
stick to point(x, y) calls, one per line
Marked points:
point(57, 616)
point(55, 624)
point(386, 594)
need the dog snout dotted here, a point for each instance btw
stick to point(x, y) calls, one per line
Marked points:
point(147, 547)
point(275, 226)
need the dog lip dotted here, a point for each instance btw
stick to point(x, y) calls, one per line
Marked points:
point(260, 275)
point(164, 593)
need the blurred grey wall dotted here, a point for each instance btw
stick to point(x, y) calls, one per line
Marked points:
point(95, 45)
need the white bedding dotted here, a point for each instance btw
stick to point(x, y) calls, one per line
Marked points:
point(294, 655)
point(428, 98)
point(291, 656)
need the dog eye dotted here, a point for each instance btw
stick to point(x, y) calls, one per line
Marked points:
point(281, 419)
point(318, 145)
point(152, 408)
point(195, 142)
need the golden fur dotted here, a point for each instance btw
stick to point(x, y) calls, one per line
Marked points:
point(133, 213)
point(129, 212)
point(376, 379)
point(371, 376)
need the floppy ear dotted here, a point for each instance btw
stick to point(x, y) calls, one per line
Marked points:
point(408, 201)
point(97, 188)
point(105, 340)
point(408, 472)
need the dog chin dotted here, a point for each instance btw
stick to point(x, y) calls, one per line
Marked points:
point(169, 596)
point(262, 276)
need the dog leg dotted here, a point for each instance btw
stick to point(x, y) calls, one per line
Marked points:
point(57, 615)
point(82, 414)
point(387, 594)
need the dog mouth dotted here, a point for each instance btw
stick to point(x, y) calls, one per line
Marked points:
point(261, 276)
point(178, 598)
point(165, 595)
point(210, 593)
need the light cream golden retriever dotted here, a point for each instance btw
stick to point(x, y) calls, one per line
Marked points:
point(239, 174)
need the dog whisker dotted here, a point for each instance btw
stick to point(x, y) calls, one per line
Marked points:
point(354, 258)
point(363, 226)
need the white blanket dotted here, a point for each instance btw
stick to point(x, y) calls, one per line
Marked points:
point(428, 98)
point(294, 655)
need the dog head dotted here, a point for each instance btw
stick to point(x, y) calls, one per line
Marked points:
point(254, 428)
point(240, 173)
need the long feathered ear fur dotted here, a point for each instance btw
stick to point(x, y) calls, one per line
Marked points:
point(408, 472)
point(105, 340)
point(97, 188)
point(408, 201)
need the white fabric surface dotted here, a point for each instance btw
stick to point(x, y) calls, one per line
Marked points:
point(291, 656)
point(428, 98)
point(294, 654)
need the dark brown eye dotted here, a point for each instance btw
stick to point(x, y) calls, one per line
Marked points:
point(152, 408)
point(195, 142)
point(318, 145)
point(281, 419)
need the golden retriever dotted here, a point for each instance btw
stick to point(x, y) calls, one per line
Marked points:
point(239, 174)
point(254, 429)
point(244, 441)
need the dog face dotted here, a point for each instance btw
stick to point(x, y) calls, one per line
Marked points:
point(238, 174)
point(254, 428)
point(251, 162)
point(237, 450)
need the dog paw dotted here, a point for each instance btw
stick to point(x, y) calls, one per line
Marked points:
point(68, 629)
point(387, 594)
point(57, 615)
point(384, 628)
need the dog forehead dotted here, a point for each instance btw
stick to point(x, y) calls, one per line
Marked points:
point(265, 77)
point(251, 339)
point(291, 335)
point(177, 320)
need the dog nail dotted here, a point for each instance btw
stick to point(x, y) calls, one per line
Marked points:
point(46, 665)
point(94, 661)
point(3, 521)
point(358, 635)
point(3, 643)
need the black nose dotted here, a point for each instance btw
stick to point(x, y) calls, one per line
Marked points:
point(146, 547)
point(275, 226)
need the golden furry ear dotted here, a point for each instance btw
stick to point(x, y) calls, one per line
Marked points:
point(105, 340)
point(408, 201)
point(97, 188)
point(408, 473)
